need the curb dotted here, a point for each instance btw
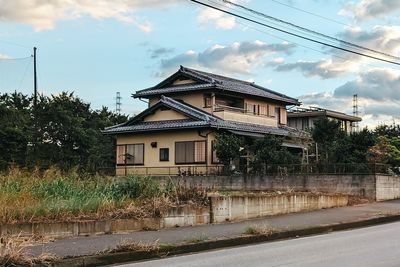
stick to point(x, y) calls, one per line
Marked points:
point(132, 256)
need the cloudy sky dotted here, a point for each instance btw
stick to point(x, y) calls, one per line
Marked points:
point(98, 47)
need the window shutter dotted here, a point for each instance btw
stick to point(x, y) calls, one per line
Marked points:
point(283, 116)
point(271, 111)
point(180, 149)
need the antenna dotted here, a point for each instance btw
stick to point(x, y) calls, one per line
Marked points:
point(355, 112)
point(118, 103)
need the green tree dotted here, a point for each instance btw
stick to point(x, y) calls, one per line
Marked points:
point(15, 123)
point(326, 134)
point(386, 150)
point(269, 151)
point(228, 147)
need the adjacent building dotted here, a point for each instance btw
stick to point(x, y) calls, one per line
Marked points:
point(304, 118)
point(175, 134)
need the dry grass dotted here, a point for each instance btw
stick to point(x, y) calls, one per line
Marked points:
point(12, 253)
point(131, 245)
point(198, 238)
point(53, 196)
point(260, 230)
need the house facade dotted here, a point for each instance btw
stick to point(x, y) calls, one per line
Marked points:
point(175, 134)
point(304, 118)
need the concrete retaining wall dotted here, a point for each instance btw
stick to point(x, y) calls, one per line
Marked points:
point(387, 187)
point(361, 185)
point(237, 206)
point(178, 216)
point(247, 206)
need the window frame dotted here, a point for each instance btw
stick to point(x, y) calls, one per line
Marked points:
point(167, 151)
point(194, 152)
point(126, 149)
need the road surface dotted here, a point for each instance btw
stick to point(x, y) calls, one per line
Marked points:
point(372, 246)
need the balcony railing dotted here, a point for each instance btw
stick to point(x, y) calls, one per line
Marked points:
point(243, 115)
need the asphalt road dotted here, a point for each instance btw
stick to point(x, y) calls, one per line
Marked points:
point(372, 246)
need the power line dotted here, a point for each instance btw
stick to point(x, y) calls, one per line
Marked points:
point(311, 13)
point(20, 58)
point(342, 58)
point(293, 34)
point(14, 44)
point(308, 30)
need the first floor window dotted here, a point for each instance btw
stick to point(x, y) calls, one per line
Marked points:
point(164, 154)
point(132, 154)
point(190, 152)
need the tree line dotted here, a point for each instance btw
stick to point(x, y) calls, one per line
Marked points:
point(61, 131)
point(329, 144)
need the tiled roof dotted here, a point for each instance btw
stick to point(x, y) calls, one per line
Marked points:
point(156, 126)
point(198, 119)
point(213, 81)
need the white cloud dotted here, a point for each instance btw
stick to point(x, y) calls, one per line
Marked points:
point(378, 96)
point(380, 38)
point(2, 56)
point(217, 18)
point(377, 84)
point(370, 9)
point(43, 14)
point(235, 58)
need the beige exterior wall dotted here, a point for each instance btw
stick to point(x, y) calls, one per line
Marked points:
point(163, 115)
point(153, 101)
point(247, 118)
point(164, 140)
point(181, 82)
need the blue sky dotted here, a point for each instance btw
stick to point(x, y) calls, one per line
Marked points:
point(96, 48)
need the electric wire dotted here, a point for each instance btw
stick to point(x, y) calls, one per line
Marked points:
point(311, 13)
point(293, 34)
point(309, 30)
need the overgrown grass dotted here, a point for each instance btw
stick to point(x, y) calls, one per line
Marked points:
point(260, 230)
point(27, 197)
point(12, 253)
point(198, 238)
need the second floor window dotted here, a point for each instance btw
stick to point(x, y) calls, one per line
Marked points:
point(207, 101)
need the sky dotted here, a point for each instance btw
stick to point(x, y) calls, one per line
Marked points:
point(96, 48)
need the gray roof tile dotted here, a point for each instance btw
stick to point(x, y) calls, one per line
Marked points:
point(214, 81)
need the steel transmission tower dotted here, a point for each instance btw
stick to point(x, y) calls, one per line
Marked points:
point(355, 112)
point(118, 99)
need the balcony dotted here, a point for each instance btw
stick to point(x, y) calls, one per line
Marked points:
point(242, 115)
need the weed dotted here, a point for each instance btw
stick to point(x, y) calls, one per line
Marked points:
point(260, 230)
point(198, 238)
point(130, 245)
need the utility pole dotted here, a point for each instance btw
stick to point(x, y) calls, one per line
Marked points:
point(34, 78)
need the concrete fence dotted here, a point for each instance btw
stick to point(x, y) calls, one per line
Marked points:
point(374, 186)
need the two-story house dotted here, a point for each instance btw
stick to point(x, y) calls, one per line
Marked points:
point(175, 133)
point(304, 118)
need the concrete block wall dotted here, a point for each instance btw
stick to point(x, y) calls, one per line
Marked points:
point(362, 185)
point(247, 206)
point(387, 187)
